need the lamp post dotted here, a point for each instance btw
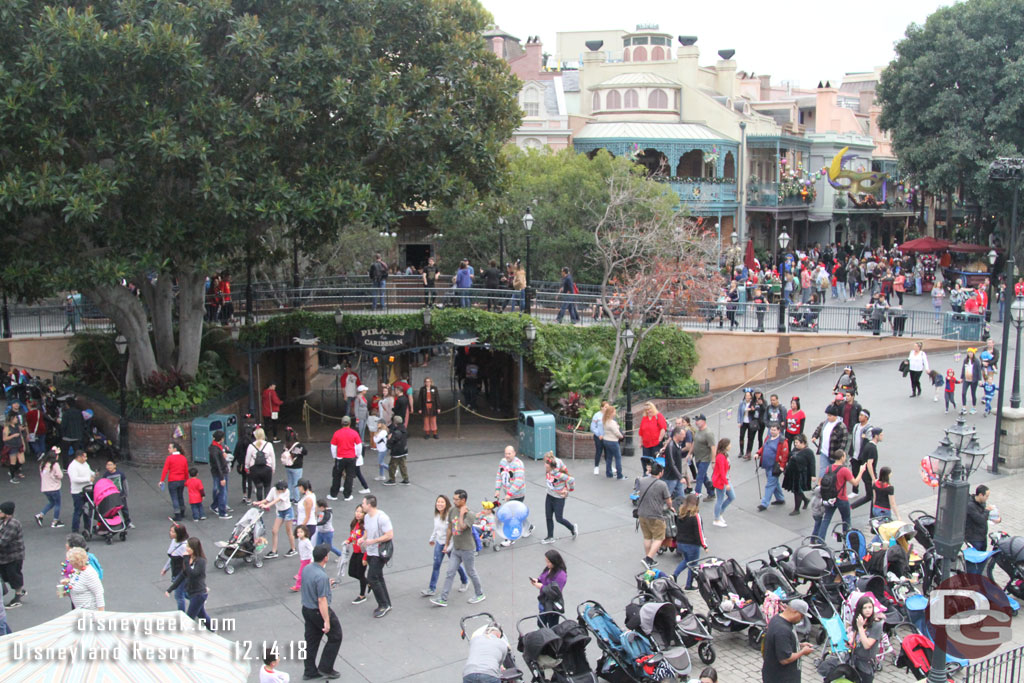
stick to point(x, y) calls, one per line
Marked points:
point(718, 233)
point(783, 243)
point(121, 344)
point(531, 334)
point(1017, 318)
point(992, 258)
point(954, 472)
point(1007, 169)
point(628, 338)
point(501, 242)
point(528, 293)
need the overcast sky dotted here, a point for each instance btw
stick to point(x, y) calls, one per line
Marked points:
point(802, 41)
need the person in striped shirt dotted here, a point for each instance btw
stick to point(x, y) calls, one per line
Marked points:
point(510, 484)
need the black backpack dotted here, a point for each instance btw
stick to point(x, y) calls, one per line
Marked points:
point(261, 459)
point(829, 485)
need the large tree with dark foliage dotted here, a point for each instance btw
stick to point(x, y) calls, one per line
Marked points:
point(147, 141)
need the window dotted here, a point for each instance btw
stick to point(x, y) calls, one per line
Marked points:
point(657, 100)
point(531, 102)
point(614, 100)
point(596, 106)
point(659, 40)
point(632, 100)
point(639, 54)
point(640, 40)
point(625, 42)
point(532, 143)
point(657, 53)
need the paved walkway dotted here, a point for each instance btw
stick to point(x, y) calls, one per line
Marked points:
point(420, 643)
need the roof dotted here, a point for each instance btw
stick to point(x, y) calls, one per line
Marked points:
point(637, 79)
point(630, 130)
point(571, 81)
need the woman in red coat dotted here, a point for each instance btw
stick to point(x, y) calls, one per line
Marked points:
point(271, 405)
point(720, 480)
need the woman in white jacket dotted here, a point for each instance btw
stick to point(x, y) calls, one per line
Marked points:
point(918, 363)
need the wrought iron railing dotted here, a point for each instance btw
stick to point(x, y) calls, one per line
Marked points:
point(1005, 667)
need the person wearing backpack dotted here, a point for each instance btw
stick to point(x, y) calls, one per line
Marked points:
point(834, 494)
point(379, 280)
point(259, 463)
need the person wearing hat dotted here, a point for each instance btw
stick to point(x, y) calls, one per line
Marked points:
point(828, 437)
point(361, 410)
point(782, 649)
point(12, 552)
point(343, 450)
point(868, 466)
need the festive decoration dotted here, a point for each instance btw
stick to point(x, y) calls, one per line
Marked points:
point(511, 515)
point(928, 475)
point(855, 181)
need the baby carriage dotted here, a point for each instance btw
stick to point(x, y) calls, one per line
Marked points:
point(246, 541)
point(657, 621)
point(803, 317)
point(656, 586)
point(626, 656)
point(924, 527)
point(483, 530)
point(881, 611)
point(103, 503)
point(730, 601)
point(509, 672)
point(560, 651)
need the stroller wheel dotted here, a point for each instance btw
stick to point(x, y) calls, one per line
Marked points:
point(229, 569)
point(706, 652)
point(124, 535)
point(86, 534)
point(218, 563)
point(753, 636)
point(109, 539)
point(248, 559)
point(258, 563)
point(822, 636)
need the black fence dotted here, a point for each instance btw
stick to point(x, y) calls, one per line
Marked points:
point(1005, 667)
point(136, 414)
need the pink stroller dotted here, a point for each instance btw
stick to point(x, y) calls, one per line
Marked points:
point(103, 505)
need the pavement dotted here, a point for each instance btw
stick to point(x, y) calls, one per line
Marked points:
point(420, 643)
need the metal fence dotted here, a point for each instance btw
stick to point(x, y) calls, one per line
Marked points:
point(136, 414)
point(1005, 667)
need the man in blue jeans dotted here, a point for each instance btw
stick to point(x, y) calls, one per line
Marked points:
point(379, 280)
point(674, 458)
point(568, 302)
point(842, 500)
point(80, 475)
point(219, 469)
point(703, 455)
point(774, 451)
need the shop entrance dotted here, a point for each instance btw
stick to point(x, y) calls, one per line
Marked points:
point(416, 255)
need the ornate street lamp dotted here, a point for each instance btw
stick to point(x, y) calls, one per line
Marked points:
point(121, 344)
point(783, 243)
point(628, 339)
point(530, 332)
point(528, 224)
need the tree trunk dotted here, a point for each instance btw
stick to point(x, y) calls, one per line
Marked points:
point(129, 316)
point(191, 290)
point(159, 298)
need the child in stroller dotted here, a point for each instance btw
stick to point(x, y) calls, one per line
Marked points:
point(656, 586)
point(247, 541)
point(657, 621)
point(560, 650)
point(103, 505)
point(730, 601)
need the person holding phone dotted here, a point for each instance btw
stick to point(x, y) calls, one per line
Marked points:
point(554, 575)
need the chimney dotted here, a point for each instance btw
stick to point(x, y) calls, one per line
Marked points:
point(825, 106)
point(498, 45)
point(686, 57)
point(725, 74)
point(534, 54)
point(766, 87)
point(867, 98)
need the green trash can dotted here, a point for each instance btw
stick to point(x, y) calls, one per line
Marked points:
point(536, 433)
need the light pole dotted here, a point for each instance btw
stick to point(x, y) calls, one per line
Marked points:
point(734, 240)
point(501, 242)
point(783, 243)
point(1017, 318)
point(718, 233)
point(121, 344)
point(1007, 169)
point(628, 338)
point(528, 293)
point(531, 334)
point(992, 258)
point(951, 509)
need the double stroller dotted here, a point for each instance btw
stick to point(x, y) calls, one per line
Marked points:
point(657, 621)
point(731, 604)
point(694, 629)
point(247, 541)
point(557, 654)
point(626, 656)
point(103, 505)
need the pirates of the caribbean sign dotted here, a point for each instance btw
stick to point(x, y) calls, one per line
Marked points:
point(383, 341)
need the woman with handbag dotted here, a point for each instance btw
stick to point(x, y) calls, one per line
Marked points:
point(14, 444)
point(916, 364)
point(559, 483)
point(798, 473)
point(689, 536)
point(612, 437)
point(356, 566)
point(724, 494)
point(259, 463)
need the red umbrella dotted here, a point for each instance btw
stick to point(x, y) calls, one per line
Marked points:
point(963, 248)
point(748, 258)
point(924, 244)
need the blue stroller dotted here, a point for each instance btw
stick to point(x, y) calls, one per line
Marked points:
point(626, 656)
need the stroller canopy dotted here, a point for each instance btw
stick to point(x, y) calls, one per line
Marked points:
point(1012, 547)
point(658, 616)
point(572, 635)
point(106, 497)
point(543, 641)
point(665, 589)
point(811, 562)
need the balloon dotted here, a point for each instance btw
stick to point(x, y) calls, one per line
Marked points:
point(511, 515)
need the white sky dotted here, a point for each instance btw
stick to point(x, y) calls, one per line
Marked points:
point(804, 41)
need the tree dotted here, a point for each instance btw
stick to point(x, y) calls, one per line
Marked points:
point(567, 194)
point(654, 262)
point(952, 98)
point(146, 143)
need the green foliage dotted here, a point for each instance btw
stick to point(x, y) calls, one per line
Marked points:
point(667, 355)
point(583, 370)
point(213, 378)
point(95, 361)
point(505, 332)
point(953, 98)
point(567, 194)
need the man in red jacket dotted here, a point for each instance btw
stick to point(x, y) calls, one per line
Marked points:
point(344, 444)
point(176, 473)
point(271, 405)
point(35, 426)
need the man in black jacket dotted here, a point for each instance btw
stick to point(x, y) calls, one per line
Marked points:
point(398, 444)
point(976, 527)
point(219, 470)
point(674, 457)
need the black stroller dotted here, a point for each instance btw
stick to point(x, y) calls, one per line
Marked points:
point(657, 621)
point(509, 672)
point(694, 628)
point(717, 580)
point(560, 651)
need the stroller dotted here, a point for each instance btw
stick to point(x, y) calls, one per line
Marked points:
point(881, 610)
point(655, 586)
point(626, 656)
point(509, 672)
point(731, 602)
point(924, 526)
point(103, 503)
point(561, 650)
point(246, 541)
point(657, 621)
